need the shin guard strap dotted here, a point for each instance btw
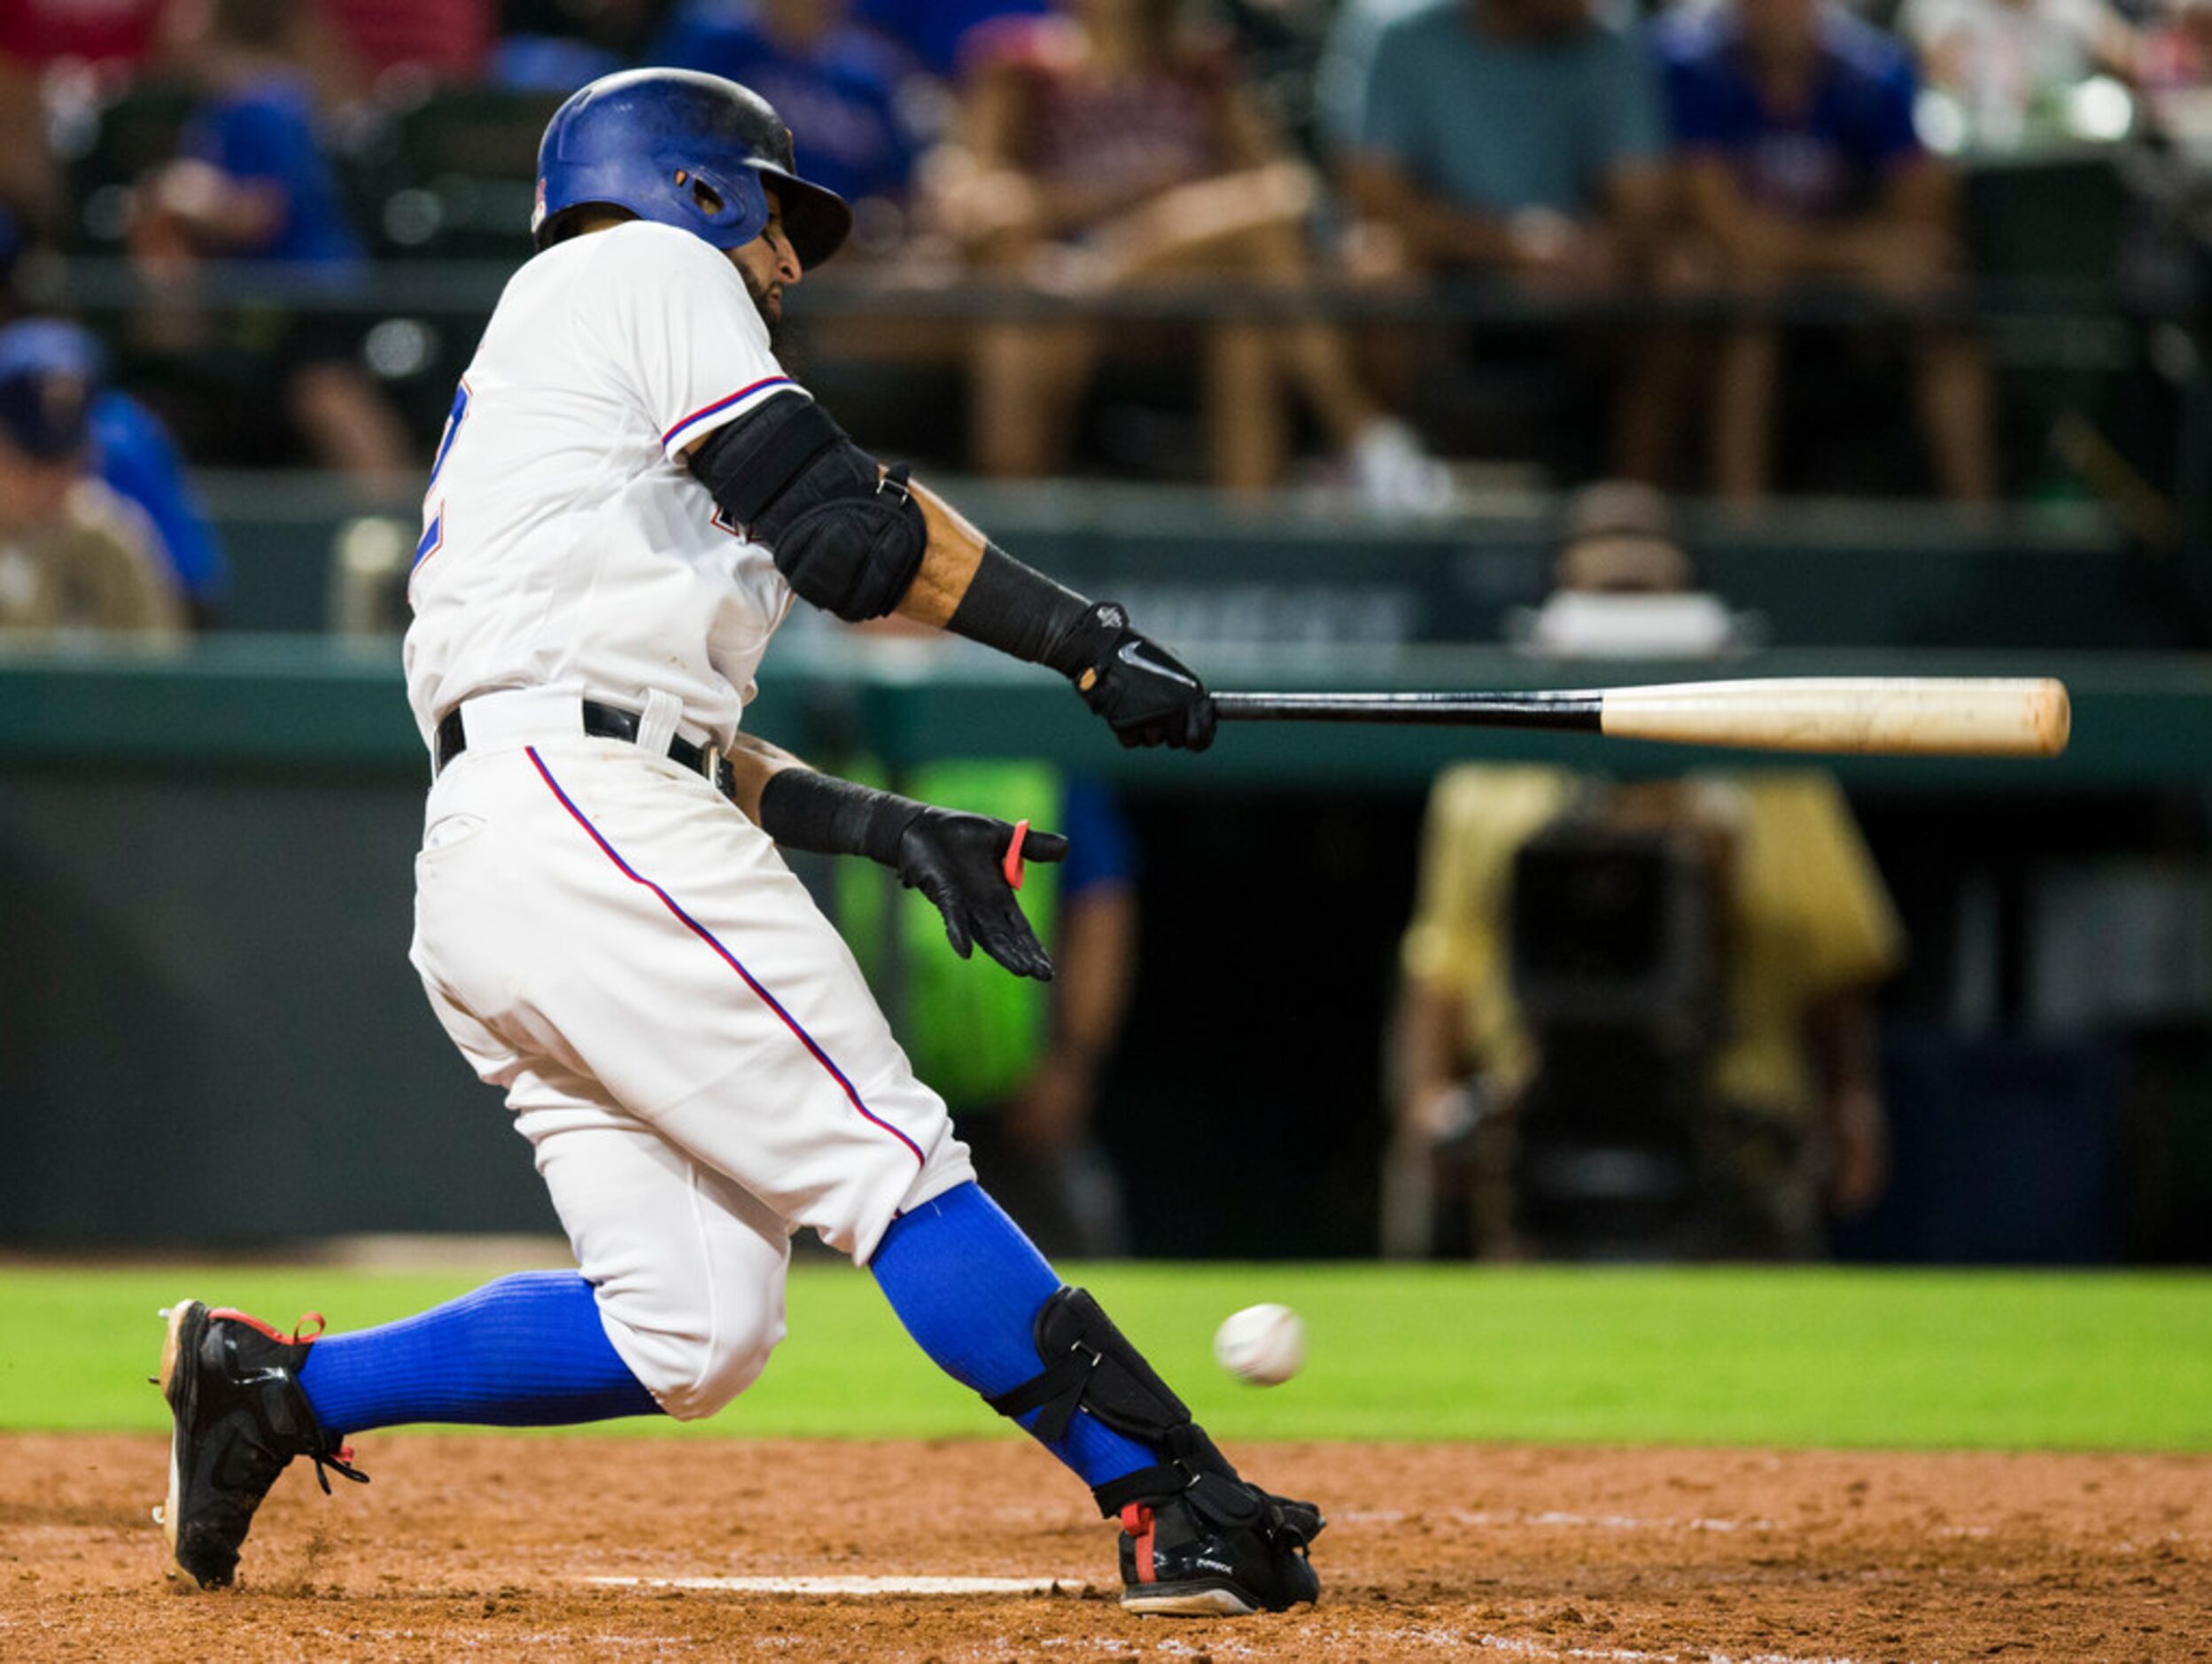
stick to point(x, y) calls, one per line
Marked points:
point(1147, 1484)
point(1057, 1392)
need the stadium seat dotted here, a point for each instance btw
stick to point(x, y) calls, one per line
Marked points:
point(105, 149)
point(453, 177)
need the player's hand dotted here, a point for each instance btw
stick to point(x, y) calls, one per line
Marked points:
point(958, 861)
point(1147, 695)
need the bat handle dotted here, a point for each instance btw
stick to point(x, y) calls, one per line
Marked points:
point(1013, 872)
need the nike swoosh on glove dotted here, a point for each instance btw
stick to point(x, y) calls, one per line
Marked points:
point(1147, 695)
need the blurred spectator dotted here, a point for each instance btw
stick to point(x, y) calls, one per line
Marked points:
point(12, 235)
point(619, 27)
point(1020, 1062)
point(938, 32)
point(1520, 137)
point(2007, 69)
point(443, 40)
point(557, 45)
point(2174, 62)
point(113, 36)
point(323, 60)
point(30, 186)
point(836, 84)
point(1638, 1017)
point(254, 183)
point(31, 37)
point(1800, 163)
point(1347, 57)
point(1108, 149)
point(129, 451)
point(74, 556)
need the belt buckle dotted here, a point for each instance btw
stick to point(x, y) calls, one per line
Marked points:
point(710, 763)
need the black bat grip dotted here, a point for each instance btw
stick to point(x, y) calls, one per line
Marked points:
point(1578, 711)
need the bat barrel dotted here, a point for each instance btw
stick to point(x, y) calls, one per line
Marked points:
point(1892, 715)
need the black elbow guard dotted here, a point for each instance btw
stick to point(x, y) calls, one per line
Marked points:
point(847, 537)
point(853, 556)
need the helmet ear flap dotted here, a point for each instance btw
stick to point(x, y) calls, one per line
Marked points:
point(732, 205)
point(704, 197)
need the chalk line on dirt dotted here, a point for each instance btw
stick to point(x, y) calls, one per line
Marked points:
point(880, 1586)
point(1514, 1645)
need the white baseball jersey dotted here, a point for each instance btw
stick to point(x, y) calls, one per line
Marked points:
point(564, 542)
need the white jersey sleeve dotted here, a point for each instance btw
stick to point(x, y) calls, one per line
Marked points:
point(678, 320)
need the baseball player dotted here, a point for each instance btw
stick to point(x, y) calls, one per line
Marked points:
point(628, 493)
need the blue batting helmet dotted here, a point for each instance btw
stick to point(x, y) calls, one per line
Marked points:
point(683, 149)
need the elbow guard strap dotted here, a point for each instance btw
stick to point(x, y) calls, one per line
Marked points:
point(846, 535)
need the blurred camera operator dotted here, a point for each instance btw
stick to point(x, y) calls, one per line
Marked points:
point(1637, 1018)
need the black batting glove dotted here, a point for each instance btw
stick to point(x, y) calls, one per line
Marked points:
point(1147, 695)
point(960, 862)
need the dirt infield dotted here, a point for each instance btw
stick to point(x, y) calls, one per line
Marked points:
point(486, 1546)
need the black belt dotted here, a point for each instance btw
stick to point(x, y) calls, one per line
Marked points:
point(604, 722)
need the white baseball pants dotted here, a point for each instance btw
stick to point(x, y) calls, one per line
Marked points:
point(685, 1040)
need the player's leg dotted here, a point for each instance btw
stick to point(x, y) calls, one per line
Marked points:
point(1027, 383)
point(676, 1306)
point(1957, 398)
point(1745, 393)
point(1247, 422)
point(1197, 1538)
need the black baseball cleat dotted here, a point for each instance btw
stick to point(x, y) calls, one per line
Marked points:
point(233, 1389)
point(1224, 1548)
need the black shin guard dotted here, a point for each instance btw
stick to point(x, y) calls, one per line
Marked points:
point(1090, 1365)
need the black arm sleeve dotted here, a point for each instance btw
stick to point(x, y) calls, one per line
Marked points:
point(1021, 612)
point(803, 809)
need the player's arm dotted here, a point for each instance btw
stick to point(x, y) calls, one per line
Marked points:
point(861, 540)
point(960, 861)
point(968, 585)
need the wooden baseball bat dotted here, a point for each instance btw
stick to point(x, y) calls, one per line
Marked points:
point(1901, 716)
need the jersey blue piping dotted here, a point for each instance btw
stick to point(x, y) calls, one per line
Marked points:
point(728, 958)
point(669, 438)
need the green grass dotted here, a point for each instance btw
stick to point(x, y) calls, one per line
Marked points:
point(1831, 1357)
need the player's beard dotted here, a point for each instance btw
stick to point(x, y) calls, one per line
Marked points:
point(773, 320)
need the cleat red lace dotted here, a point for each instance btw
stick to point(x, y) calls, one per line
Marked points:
point(300, 1333)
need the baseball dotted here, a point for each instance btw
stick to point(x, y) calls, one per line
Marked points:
point(1261, 1344)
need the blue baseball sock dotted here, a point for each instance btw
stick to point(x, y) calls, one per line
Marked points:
point(968, 1284)
point(526, 1351)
